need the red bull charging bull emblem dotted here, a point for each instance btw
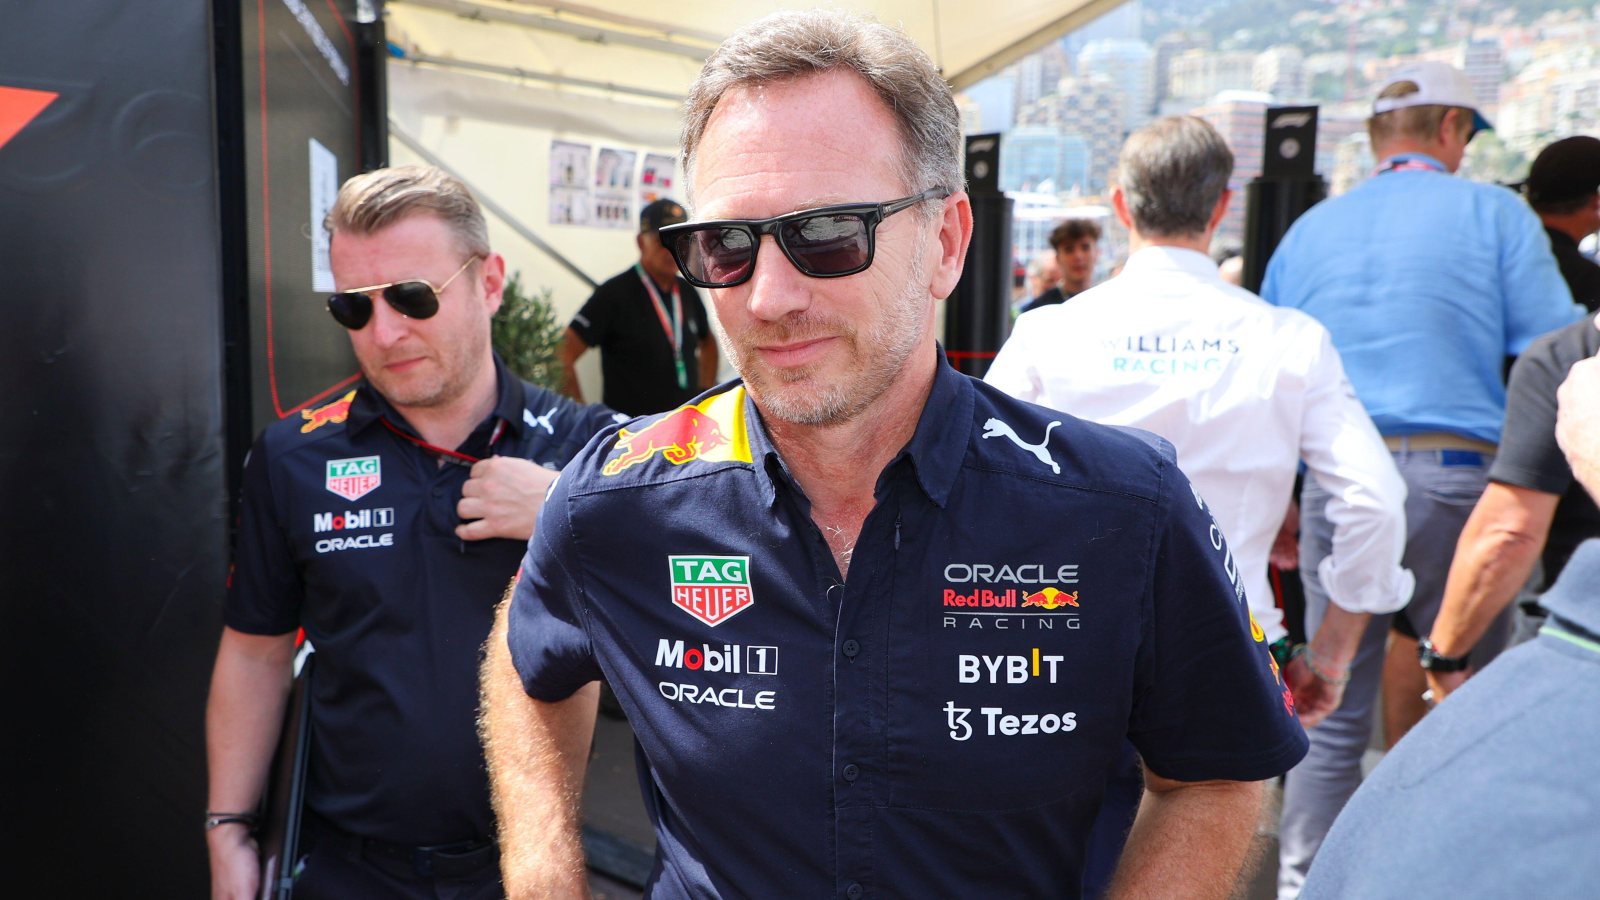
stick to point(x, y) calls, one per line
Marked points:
point(332, 414)
point(1051, 598)
point(712, 430)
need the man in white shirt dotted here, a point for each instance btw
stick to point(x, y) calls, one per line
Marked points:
point(1244, 390)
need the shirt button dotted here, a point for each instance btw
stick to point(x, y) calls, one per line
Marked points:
point(851, 648)
point(854, 891)
point(438, 492)
point(852, 772)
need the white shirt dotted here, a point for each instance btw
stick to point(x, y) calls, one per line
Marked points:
point(1244, 391)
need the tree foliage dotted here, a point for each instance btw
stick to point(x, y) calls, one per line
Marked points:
point(527, 334)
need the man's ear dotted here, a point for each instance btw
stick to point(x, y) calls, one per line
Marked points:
point(1119, 205)
point(955, 234)
point(1220, 211)
point(492, 276)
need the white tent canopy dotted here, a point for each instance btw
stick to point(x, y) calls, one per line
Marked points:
point(485, 86)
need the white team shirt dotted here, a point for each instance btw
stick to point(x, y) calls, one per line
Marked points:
point(1244, 391)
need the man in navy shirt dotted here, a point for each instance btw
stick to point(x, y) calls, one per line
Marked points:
point(386, 523)
point(879, 629)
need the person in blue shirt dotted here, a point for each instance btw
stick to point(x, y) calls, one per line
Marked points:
point(386, 523)
point(1427, 283)
point(879, 628)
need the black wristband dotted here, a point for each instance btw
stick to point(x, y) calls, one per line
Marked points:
point(215, 819)
point(1434, 661)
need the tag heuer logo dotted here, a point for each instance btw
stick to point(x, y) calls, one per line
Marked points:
point(711, 588)
point(354, 478)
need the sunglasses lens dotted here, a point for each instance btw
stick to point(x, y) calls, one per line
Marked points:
point(716, 256)
point(351, 310)
point(827, 245)
point(415, 299)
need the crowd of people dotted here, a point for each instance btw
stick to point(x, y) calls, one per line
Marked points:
point(882, 629)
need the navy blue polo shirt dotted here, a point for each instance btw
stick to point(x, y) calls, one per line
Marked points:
point(348, 529)
point(1029, 590)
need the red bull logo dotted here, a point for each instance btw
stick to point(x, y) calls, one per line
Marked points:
point(681, 435)
point(1051, 598)
point(334, 413)
point(1255, 630)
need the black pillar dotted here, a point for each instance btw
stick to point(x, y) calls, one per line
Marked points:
point(977, 316)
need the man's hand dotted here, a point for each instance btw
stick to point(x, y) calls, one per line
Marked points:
point(235, 863)
point(1578, 422)
point(1314, 698)
point(502, 498)
point(1442, 684)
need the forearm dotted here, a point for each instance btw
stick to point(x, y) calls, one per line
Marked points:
point(1490, 566)
point(571, 348)
point(1334, 645)
point(536, 753)
point(1189, 840)
point(569, 382)
point(1496, 552)
point(244, 713)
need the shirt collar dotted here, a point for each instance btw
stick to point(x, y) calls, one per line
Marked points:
point(934, 453)
point(369, 406)
point(1572, 597)
point(1411, 157)
point(1162, 258)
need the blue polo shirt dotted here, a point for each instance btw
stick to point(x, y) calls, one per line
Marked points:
point(348, 529)
point(1426, 282)
point(1029, 590)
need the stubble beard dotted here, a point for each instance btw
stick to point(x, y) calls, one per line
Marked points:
point(875, 361)
point(457, 364)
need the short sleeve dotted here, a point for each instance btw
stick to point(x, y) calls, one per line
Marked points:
point(547, 634)
point(1210, 702)
point(264, 588)
point(1529, 456)
point(572, 425)
point(595, 321)
point(1537, 299)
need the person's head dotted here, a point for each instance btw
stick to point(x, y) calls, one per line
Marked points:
point(1563, 186)
point(418, 283)
point(654, 258)
point(1076, 243)
point(1172, 182)
point(1044, 272)
point(803, 110)
point(1425, 107)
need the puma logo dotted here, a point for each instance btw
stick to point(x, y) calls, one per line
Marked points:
point(540, 421)
point(997, 428)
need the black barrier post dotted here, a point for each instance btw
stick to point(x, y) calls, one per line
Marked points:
point(1287, 187)
point(976, 318)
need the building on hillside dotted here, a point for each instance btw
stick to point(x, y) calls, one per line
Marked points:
point(1090, 108)
point(1199, 75)
point(1240, 117)
point(1131, 67)
point(1281, 72)
point(1043, 158)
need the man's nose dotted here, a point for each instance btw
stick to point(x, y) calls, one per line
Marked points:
point(388, 325)
point(776, 287)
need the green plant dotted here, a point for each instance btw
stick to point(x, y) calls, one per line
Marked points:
point(527, 334)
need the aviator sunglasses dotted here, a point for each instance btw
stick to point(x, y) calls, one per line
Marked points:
point(830, 242)
point(413, 298)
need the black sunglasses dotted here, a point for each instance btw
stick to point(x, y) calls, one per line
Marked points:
point(413, 298)
point(830, 242)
